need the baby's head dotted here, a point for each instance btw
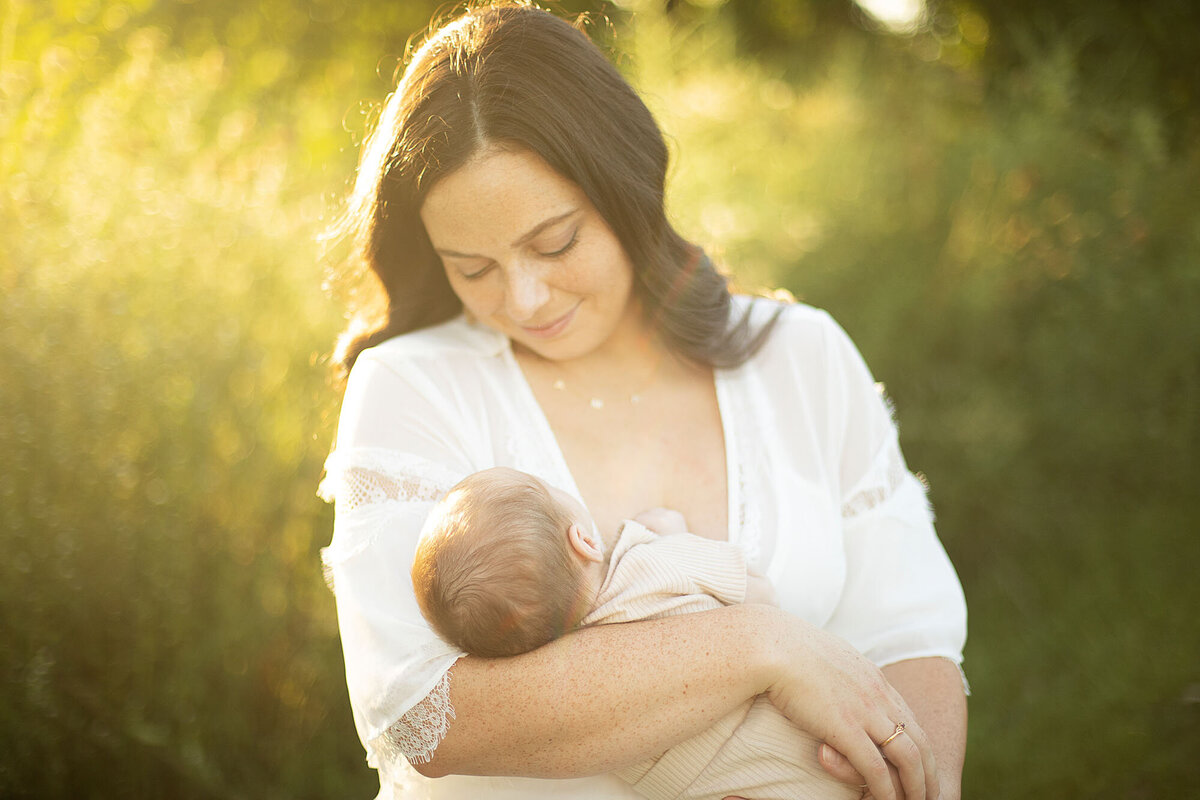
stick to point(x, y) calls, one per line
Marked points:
point(506, 564)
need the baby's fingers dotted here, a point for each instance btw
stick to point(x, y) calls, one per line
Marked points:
point(838, 766)
point(864, 756)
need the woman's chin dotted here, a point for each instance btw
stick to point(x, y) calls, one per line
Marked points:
point(560, 348)
point(569, 343)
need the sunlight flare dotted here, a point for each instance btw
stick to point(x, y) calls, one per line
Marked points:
point(900, 16)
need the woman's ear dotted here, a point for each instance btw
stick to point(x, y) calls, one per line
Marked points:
point(584, 543)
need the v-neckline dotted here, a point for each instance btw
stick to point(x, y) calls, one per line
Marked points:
point(729, 434)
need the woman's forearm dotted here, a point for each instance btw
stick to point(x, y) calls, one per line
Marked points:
point(933, 689)
point(603, 697)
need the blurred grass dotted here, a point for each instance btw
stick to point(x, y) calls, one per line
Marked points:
point(1020, 266)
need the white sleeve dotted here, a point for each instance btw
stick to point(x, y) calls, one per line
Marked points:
point(901, 598)
point(398, 451)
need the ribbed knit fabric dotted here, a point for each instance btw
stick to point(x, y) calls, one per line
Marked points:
point(651, 576)
point(753, 751)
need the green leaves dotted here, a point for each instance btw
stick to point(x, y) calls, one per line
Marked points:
point(1013, 246)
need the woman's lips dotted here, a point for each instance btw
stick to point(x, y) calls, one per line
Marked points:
point(554, 328)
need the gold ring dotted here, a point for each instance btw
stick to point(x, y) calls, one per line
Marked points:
point(899, 730)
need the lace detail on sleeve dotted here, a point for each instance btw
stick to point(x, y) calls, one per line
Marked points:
point(364, 487)
point(371, 486)
point(888, 473)
point(365, 476)
point(417, 734)
point(397, 669)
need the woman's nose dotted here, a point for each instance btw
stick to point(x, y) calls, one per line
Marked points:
point(526, 292)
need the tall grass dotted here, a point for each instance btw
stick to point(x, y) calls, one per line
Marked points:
point(1022, 270)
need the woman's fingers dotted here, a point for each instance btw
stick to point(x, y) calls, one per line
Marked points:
point(896, 772)
point(876, 773)
point(840, 768)
point(905, 756)
point(912, 747)
point(896, 786)
point(905, 752)
point(830, 690)
point(933, 779)
point(925, 784)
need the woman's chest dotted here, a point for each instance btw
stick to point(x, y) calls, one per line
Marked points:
point(664, 452)
point(751, 467)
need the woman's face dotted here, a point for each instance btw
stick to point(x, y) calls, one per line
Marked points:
point(529, 255)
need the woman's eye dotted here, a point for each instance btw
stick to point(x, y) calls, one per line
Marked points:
point(479, 273)
point(562, 251)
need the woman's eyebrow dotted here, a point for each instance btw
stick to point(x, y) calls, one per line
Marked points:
point(523, 239)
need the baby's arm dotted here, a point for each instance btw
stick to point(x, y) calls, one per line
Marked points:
point(666, 521)
point(663, 521)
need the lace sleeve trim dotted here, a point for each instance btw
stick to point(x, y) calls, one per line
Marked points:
point(886, 475)
point(882, 481)
point(417, 734)
point(370, 485)
point(365, 476)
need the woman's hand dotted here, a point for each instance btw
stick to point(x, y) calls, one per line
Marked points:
point(837, 766)
point(830, 690)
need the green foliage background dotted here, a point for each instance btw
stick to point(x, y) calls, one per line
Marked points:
point(1001, 209)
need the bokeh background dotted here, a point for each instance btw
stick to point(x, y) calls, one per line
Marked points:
point(998, 200)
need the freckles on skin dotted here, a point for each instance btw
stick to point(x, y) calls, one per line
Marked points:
point(528, 254)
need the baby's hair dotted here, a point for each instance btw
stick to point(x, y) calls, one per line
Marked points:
point(494, 573)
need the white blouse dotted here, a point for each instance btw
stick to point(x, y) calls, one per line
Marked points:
point(820, 501)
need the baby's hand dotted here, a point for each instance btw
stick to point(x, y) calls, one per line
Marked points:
point(760, 590)
point(662, 521)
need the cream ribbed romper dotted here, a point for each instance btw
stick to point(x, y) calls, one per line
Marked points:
point(754, 751)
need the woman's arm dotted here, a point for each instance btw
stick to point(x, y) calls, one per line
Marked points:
point(608, 696)
point(933, 689)
point(602, 697)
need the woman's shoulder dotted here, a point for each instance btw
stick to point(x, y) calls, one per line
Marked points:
point(454, 339)
point(799, 331)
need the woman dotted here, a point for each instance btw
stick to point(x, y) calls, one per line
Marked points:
point(541, 313)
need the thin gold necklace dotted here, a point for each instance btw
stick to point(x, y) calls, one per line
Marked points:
point(597, 403)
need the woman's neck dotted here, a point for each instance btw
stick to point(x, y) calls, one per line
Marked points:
point(633, 357)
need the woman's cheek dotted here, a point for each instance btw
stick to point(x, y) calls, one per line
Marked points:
point(478, 297)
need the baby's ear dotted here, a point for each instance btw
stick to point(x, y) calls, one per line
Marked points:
point(585, 544)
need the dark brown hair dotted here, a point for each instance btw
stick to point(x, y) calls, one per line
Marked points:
point(516, 76)
point(493, 572)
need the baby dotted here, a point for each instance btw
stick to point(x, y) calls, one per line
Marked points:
point(507, 563)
